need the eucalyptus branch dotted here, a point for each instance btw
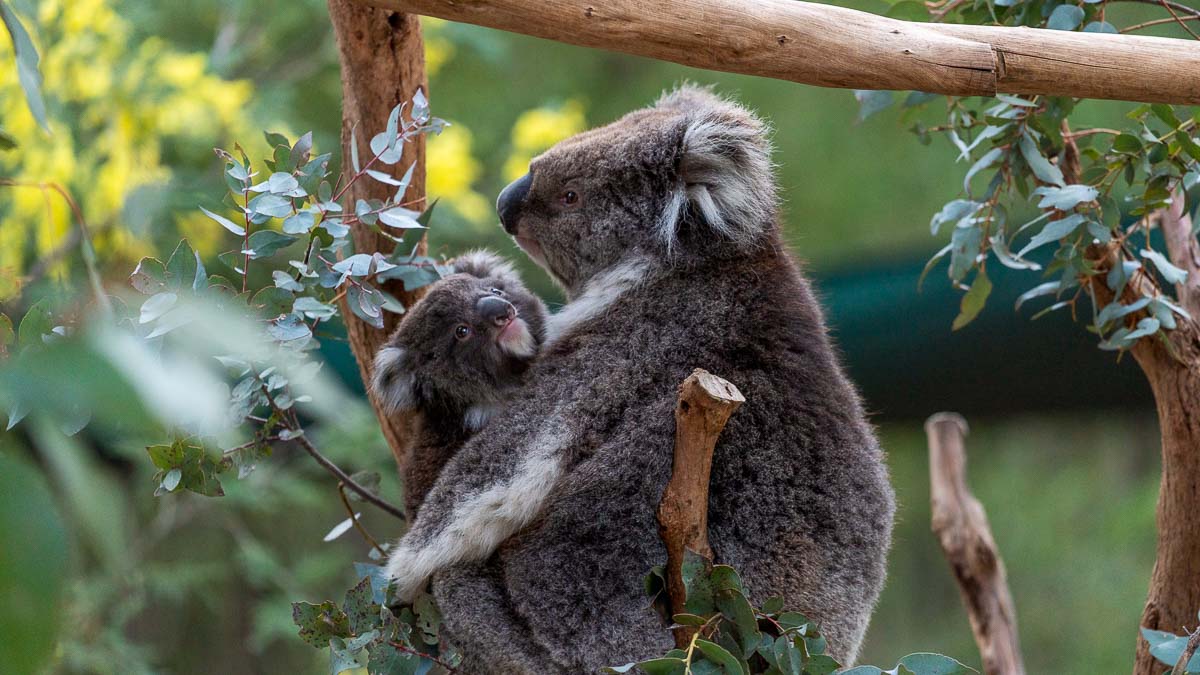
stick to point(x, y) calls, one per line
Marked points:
point(410, 650)
point(1158, 22)
point(354, 520)
point(1168, 4)
point(298, 435)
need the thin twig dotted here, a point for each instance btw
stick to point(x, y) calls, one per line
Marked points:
point(354, 520)
point(1170, 4)
point(1188, 652)
point(324, 461)
point(332, 468)
point(1156, 22)
point(409, 650)
point(1179, 20)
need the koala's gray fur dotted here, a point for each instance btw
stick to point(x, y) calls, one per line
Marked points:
point(454, 385)
point(663, 229)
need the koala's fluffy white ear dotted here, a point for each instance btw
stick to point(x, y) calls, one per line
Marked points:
point(485, 264)
point(392, 381)
point(724, 170)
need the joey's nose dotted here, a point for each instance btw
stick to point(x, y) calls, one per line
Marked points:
point(508, 204)
point(496, 310)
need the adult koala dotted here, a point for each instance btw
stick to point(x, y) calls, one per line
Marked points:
point(663, 229)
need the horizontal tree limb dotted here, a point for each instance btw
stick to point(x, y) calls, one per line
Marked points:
point(833, 46)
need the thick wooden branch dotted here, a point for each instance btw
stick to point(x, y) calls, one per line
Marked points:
point(832, 46)
point(705, 404)
point(382, 58)
point(961, 526)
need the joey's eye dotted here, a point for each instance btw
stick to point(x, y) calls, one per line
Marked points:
point(496, 291)
point(569, 198)
point(462, 331)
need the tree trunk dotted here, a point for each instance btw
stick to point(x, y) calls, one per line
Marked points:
point(382, 57)
point(1174, 596)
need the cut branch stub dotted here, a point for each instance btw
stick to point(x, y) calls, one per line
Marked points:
point(705, 404)
point(962, 529)
point(832, 46)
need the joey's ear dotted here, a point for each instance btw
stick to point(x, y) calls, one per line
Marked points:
point(393, 381)
point(485, 264)
point(724, 179)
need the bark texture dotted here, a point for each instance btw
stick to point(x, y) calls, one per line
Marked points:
point(832, 46)
point(382, 57)
point(1174, 595)
point(961, 526)
point(705, 404)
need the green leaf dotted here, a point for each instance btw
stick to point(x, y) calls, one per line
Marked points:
point(721, 656)
point(341, 657)
point(299, 223)
point(1065, 17)
point(1168, 648)
point(181, 267)
point(1041, 167)
point(965, 245)
point(1100, 27)
point(362, 612)
point(934, 664)
point(320, 623)
point(313, 308)
point(871, 102)
point(36, 323)
point(1037, 291)
point(266, 243)
point(27, 64)
point(225, 222)
point(149, 277)
point(1067, 197)
point(33, 566)
point(974, 300)
point(696, 572)
point(1171, 273)
point(1127, 144)
point(400, 218)
point(957, 211)
point(1053, 231)
point(270, 205)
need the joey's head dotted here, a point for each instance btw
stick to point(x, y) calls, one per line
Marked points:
point(685, 180)
point(465, 343)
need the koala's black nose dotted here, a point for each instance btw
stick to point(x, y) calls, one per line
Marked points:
point(496, 310)
point(508, 204)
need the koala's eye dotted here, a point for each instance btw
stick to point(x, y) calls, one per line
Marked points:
point(496, 291)
point(569, 198)
point(462, 331)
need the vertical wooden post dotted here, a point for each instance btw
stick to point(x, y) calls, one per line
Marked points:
point(961, 526)
point(382, 58)
point(705, 404)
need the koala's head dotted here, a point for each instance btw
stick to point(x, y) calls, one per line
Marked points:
point(687, 179)
point(464, 343)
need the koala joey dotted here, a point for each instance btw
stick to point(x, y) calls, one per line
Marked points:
point(455, 358)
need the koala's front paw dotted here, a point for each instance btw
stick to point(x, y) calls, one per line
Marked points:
point(402, 569)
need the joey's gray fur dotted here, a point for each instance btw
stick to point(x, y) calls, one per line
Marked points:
point(663, 229)
point(453, 383)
